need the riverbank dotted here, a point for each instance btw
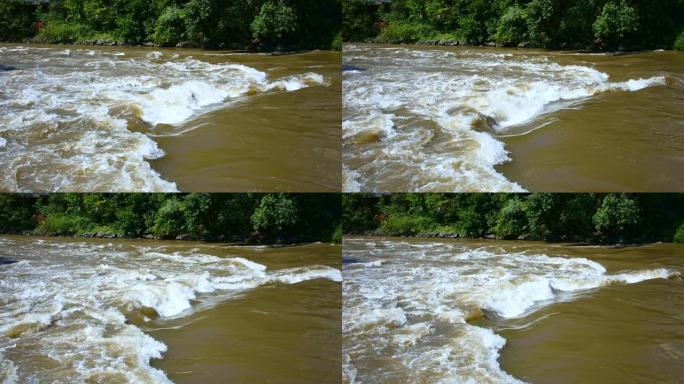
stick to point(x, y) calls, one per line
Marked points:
point(235, 241)
point(523, 46)
point(272, 50)
point(493, 239)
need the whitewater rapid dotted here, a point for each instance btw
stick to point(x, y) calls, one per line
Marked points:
point(83, 120)
point(430, 120)
point(407, 306)
point(64, 306)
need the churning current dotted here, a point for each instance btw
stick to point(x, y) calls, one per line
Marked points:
point(74, 119)
point(426, 119)
point(410, 305)
point(78, 311)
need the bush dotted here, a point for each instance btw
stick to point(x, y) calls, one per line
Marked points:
point(400, 32)
point(170, 27)
point(617, 217)
point(16, 19)
point(401, 225)
point(512, 27)
point(679, 43)
point(64, 32)
point(274, 21)
point(337, 235)
point(336, 44)
point(616, 22)
point(512, 220)
point(679, 235)
point(169, 220)
point(274, 215)
point(63, 225)
point(358, 23)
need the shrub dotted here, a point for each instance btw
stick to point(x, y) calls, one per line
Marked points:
point(616, 22)
point(400, 32)
point(170, 27)
point(63, 225)
point(679, 43)
point(617, 217)
point(358, 23)
point(336, 44)
point(337, 235)
point(64, 32)
point(275, 214)
point(512, 27)
point(512, 220)
point(401, 225)
point(679, 235)
point(274, 21)
point(169, 220)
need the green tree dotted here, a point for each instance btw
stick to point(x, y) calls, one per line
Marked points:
point(359, 20)
point(169, 221)
point(170, 27)
point(274, 22)
point(512, 27)
point(616, 23)
point(512, 220)
point(617, 217)
point(275, 216)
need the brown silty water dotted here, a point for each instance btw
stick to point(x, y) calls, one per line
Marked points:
point(445, 311)
point(450, 119)
point(82, 118)
point(119, 311)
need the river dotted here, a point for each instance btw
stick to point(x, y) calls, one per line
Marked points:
point(450, 311)
point(114, 119)
point(121, 311)
point(462, 119)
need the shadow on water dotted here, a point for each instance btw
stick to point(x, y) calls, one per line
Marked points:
point(4, 261)
point(7, 68)
point(346, 68)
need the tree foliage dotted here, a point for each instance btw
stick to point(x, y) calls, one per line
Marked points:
point(208, 23)
point(201, 216)
point(588, 217)
point(606, 24)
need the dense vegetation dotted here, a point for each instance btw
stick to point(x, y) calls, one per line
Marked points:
point(251, 217)
point(265, 24)
point(596, 24)
point(602, 218)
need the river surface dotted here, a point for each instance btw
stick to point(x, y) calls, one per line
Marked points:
point(81, 118)
point(87, 311)
point(474, 119)
point(430, 311)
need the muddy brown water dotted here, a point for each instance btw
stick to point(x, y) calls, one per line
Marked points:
point(448, 119)
point(85, 118)
point(273, 142)
point(119, 311)
point(432, 310)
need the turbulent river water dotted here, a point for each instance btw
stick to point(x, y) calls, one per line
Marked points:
point(132, 119)
point(468, 119)
point(427, 311)
point(98, 311)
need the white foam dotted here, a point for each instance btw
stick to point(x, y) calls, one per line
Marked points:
point(445, 109)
